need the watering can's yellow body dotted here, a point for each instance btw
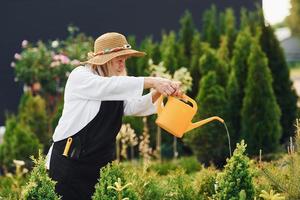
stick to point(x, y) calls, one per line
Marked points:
point(176, 116)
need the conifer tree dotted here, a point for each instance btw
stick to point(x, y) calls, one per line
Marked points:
point(169, 53)
point(210, 27)
point(132, 62)
point(260, 112)
point(209, 61)
point(211, 101)
point(236, 177)
point(233, 112)
point(147, 46)
point(195, 64)
point(186, 34)
point(228, 28)
point(282, 85)
point(239, 66)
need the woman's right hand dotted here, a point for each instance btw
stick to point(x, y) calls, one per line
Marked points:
point(164, 86)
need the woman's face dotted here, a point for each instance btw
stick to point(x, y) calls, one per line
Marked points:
point(118, 66)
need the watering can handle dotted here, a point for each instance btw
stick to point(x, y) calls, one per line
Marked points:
point(187, 98)
point(160, 103)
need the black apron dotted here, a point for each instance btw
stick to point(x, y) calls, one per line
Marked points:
point(92, 148)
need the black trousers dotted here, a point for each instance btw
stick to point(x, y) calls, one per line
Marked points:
point(75, 179)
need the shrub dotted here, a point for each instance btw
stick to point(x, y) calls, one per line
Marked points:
point(40, 185)
point(236, 176)
point(18, 143)
point(109, 176)
point(178, 186)
point(204, 183)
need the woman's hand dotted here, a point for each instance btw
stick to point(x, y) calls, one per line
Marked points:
point(164, 86)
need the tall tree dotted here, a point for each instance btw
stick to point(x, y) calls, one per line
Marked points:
point(195, 65)
point(260, 113)
point(210, 61)
point(210, 27)
point(227, 28)
point(282, 85)
point(212, 101)
point(186, 34)
point(239, 66)
point(169, 51)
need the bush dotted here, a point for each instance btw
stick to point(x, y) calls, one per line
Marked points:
point(18, 143)
point(236, 176)
point(109, 176)
point(40, 186)
point(204, 183)
point(178, 186)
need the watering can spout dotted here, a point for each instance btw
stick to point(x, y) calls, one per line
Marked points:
point(202, 122)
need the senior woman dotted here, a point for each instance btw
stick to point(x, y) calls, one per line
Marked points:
point(97, 95)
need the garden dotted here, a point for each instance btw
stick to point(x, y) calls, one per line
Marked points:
point(234, 69)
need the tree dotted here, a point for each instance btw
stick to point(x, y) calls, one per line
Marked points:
point(233, 112)
point(236, 177)
point(209, 61)
point(186, 34)
point(260, 112)
point(169, 53)
point(212, 101)
point(282, 85)
point(293, 20)
point(239, 66)
point(227, 28)
point(196, 51)
point(209, 27)
point(149, 47)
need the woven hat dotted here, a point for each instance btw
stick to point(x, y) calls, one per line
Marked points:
point(109, 46)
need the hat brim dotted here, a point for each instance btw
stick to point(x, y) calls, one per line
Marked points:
point(102, 59)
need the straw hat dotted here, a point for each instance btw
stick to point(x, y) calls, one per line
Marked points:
point(109, 46)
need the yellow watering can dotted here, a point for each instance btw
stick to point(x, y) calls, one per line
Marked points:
point(176, 116)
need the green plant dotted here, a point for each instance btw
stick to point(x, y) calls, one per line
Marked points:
point(271, 195)
point(179, 186)
point(40, 186)
point(32, 112)
point(109, 175)
point(237, 176)
point(18, 143)
point(260, 112)
point(204, 182)
point(212, 101)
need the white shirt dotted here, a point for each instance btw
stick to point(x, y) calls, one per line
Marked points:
point(84, 92)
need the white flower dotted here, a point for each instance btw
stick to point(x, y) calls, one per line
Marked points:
point(18, 56)
point(55, 44)
point(12, 64)
point(24, 43)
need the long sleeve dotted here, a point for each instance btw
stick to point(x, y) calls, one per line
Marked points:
point(84, 84)
point(140, 106)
